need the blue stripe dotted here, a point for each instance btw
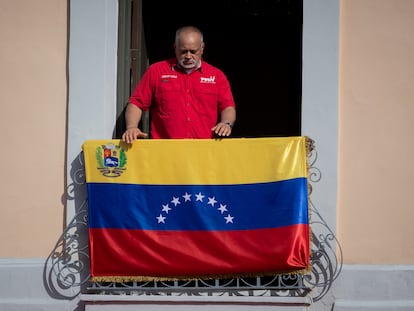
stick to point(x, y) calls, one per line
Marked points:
point(164, 207)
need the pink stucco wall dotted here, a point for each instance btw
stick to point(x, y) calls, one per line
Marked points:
point(376, 110)
point(33, 91)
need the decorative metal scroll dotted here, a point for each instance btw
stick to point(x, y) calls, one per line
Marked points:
point(326, 252)
point(67, 268)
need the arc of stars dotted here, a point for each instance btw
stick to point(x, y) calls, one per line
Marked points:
point(199, 198)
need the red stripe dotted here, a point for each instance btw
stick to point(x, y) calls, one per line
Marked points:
point(119, 252)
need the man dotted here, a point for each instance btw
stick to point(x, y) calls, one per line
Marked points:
point(186, 96)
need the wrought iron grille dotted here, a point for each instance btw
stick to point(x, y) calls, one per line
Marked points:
point(67, 267)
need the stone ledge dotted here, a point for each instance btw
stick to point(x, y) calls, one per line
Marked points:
point(153, 302)
point(251, 300)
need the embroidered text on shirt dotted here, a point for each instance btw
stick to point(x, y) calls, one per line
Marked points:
point(211, 79)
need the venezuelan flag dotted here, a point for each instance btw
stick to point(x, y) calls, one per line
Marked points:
point(185, 208)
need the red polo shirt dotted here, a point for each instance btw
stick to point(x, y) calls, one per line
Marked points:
point(182, 105)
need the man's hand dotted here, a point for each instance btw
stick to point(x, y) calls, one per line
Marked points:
point(132, 134)
point(222, 129)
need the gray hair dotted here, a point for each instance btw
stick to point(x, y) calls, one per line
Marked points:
point(187, 29)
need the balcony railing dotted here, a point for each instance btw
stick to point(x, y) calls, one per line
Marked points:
point(67, 267)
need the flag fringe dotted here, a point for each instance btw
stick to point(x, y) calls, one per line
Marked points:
point(309, 146)
point(122, 279)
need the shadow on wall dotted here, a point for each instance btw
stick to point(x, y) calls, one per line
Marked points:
point(66, 269)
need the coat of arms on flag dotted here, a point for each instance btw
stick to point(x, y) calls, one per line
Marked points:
point(186, 209)
point(111, 159)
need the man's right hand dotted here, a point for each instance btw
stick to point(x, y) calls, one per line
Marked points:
point(133, 133)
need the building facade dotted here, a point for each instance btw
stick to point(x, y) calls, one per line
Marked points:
point(59, 63)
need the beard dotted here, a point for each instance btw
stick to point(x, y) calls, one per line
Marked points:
point(189, 64)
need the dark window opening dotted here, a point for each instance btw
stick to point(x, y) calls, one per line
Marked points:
point(257, 44)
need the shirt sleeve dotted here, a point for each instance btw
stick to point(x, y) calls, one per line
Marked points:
point(142, 94)
point(225, 93)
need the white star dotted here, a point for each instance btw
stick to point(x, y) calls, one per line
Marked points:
point(166, 208)
point(222, 208)
point(212, 201)
point(187, 197)
point(199, 197)
point(175, 201)
point(228, 219)
point(161, 219)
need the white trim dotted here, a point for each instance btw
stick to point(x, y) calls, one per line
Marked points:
point(93, 45)
point(32, 301)
point(27, 262)
point(374, 284)
point(320, 89)
point(377, 303)
point(378, 267)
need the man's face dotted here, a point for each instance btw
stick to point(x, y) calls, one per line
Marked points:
point(189, 49)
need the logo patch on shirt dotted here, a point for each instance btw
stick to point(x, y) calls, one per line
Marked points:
point(211, 79)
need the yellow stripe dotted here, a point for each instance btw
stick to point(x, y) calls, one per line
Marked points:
point(199, 161)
